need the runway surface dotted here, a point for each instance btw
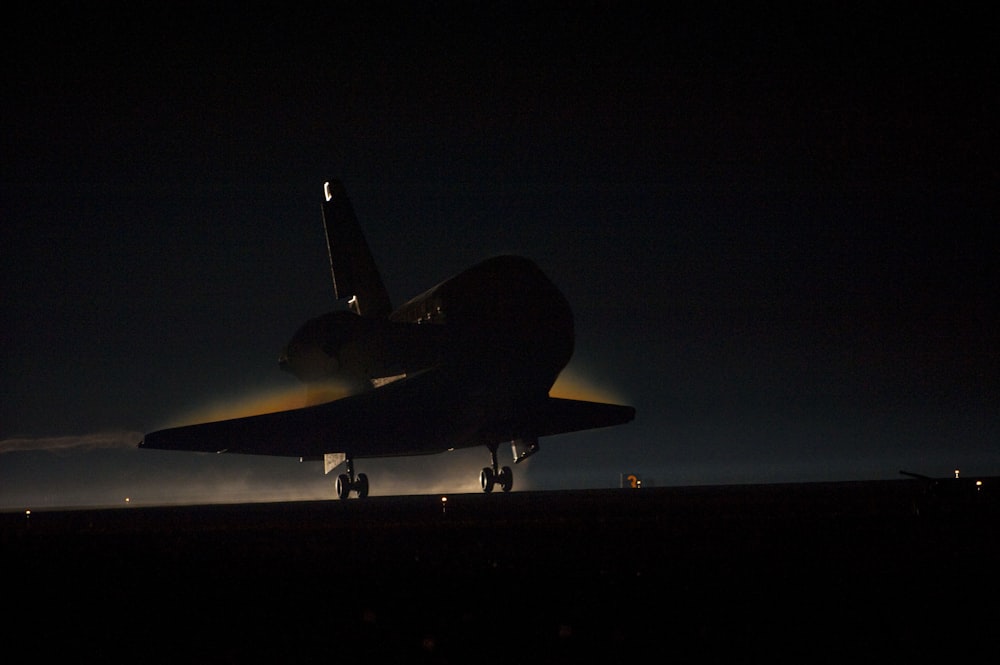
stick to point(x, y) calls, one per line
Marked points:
point(824, 571)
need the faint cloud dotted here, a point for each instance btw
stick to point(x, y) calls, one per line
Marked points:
point(113, 439)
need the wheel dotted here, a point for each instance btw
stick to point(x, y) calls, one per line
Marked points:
point(361, 485)
point(343, 486)
point(506, 479)
point(486, 479)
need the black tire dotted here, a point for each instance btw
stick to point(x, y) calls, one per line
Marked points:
point(361, 485)
point(343, 486)
point(486, 479)
point(506, 479)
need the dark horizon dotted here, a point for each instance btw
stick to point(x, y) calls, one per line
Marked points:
point(549, 577)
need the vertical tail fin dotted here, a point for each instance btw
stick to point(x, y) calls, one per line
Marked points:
point(355, 274)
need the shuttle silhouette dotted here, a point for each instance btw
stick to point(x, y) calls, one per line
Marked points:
point(469, 362)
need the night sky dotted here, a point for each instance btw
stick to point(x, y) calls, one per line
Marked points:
point(776, 229)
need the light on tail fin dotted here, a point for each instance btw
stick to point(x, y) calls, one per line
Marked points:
point(355, 275)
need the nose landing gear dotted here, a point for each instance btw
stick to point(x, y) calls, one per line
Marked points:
point(348, 482)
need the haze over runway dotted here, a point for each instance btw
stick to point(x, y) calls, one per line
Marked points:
point(775, 229)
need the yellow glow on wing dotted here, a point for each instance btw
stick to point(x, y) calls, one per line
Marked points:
point(258, 403)
point(320, 392)
point(571, 384)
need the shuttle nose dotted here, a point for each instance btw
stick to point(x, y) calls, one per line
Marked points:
point(283, 360)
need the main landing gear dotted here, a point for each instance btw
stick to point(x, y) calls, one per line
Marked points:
point(347, 482)
point(523, 448)
point(492, 475)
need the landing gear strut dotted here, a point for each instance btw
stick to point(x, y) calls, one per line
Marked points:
point(493, 474)
point(347, 482)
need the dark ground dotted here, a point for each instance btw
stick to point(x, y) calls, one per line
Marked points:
point(819, 572)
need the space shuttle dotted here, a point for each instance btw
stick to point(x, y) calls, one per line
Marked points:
point(468, 362)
